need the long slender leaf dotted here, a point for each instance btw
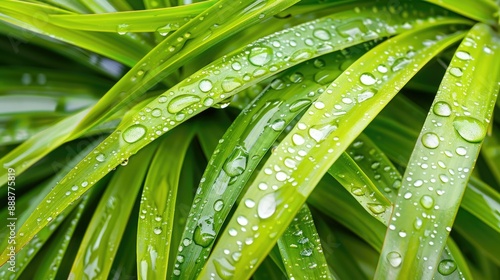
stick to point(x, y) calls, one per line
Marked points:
point(445, 153)
point(332, 115)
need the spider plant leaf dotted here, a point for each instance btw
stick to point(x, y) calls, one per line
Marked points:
point(445, 153)
point(108, 6)
point(163, 20)
point(301, 249)
point(480, 10)
point(346, 171)
point(356, 102)
point(34, 17)
point(240, 150)
point(102, 237)
point(158, 201)
point(187, 42)
point(48, 261)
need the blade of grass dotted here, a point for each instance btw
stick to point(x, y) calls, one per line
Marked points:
point(162, 20)
point(301, 249)
point(327, 124)
point(102, 237)
point(462, 105)
point(158, 203)
point(480, 10)
point(34, 17)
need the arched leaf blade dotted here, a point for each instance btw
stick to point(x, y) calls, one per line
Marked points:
point(104, 232)
point(158, 201)
point(301, 249)
point(463, 106)
point(163, 20)
point(338, 126)
point(240, 150)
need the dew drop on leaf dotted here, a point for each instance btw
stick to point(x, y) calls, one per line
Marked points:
point(430, 140)
point(224, 268)
point(204, 233)
point(218, 205)
point(133, 133)
point(278, 125)
point(447, 267)
point(456, 72)
point(205, 85)
point(100, 157)
point(230, 83)
point(367, 79)
point(267, 206)
point(180, 102)
point(321, 34)
point(463, 55)
point(156, 112)
point(427, 201)
point(260, 56)
point(394, 259)
point(236, 163)
point(376, 208)
point(470, 129)
point(442, 109)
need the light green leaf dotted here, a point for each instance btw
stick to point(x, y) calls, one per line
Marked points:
point(442, 160)
point(335, 118)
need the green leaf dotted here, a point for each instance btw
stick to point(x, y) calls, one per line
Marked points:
point(481, 10)
point(102, 237)
point(301, 249)
point(336, 119)
point(158, 203)
point(440, 165)
point(163, 20)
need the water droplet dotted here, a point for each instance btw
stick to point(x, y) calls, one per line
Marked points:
point(427, 201)
point(296, 77)
point(402, 233)
point(299, 105)
point(224, 268)
point(208, 101)
point(366, 95)
point(260, 56)
point(461, 151)
point(430, 140)
point(100, 157)
point(122, 29)
point(278, 125)
point(249, 203)
point(382, 68)
point(357, 191)
point(157, 230)
point(306, 252)
point(394, 259)
point(300, 55)
point(319, 63)
point(408, 195)
point(297, 139)
point(205, 85)
point(236, 163)
point(442, 109)
point(463, 55)
point(352, 29)
point(400, 63)
point(180, 102)
point(133, 133)
point(218, 205)
point(242, 221)
point(470, 129)
point(230, 83)
point(324, 77)
point(447, 267)
point(367, 79)
point(322, 34)
point(156, 113)
point(236, 66)
point(455, 71)
point(267, 206)
point(417, 224)
point(204, 233)
point(376, 208)
point(320, 132)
